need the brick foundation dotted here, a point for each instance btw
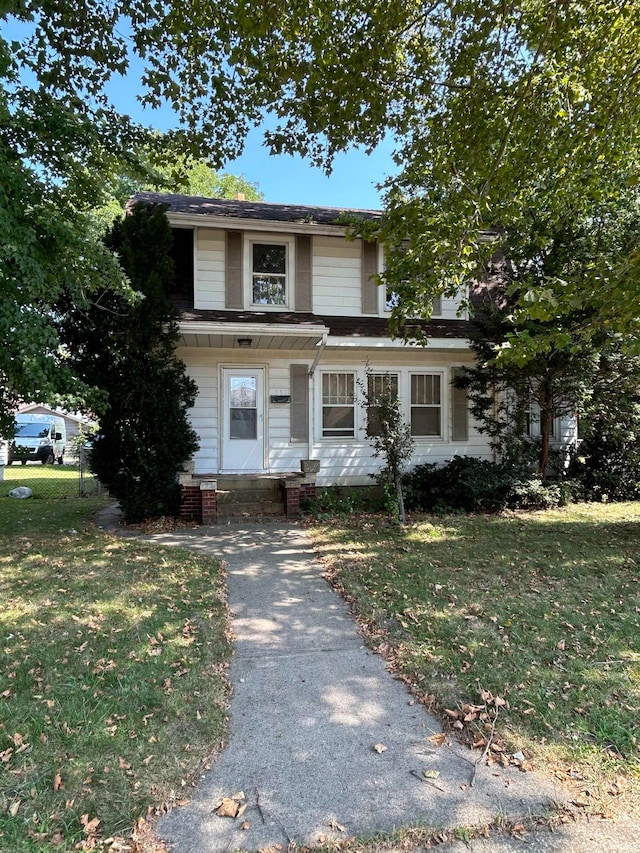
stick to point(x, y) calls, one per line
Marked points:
point(308, 490)
point(191, 503)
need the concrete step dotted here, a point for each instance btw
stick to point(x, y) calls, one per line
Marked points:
point(228, 496)
point(250, 510)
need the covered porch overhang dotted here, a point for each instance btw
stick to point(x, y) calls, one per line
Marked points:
point(251, 336)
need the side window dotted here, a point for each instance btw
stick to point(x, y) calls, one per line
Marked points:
point(392, 299)
point(426, 404)
point(269, 274)
point(338, 405)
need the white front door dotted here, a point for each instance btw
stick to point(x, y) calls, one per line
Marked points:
point(242, 416)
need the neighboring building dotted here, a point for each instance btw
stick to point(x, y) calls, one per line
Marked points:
point(74, 423)
point(280, 318)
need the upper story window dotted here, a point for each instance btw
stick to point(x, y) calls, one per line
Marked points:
point(392, 300)
point(269, 274)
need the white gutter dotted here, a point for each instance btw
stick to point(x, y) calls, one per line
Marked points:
point(389, 343)
point(209, 220)
point(202, 327)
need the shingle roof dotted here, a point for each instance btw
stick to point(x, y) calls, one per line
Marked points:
point(357, 327)
point(231, 209)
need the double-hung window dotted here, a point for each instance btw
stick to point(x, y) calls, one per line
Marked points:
point(426, 404)
point(381, 388)
point(338, 405)
point(269, 274)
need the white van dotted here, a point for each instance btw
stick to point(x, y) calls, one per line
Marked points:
point(37, 438)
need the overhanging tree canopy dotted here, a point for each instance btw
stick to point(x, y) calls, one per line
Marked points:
point(494, 106)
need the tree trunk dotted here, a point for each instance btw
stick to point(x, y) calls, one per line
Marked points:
point(546, 428)
point(401, 513)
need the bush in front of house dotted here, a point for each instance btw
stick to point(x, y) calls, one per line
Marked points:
point(468, 484)
point(608, 468)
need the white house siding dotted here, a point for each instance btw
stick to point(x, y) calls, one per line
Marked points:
point(343, 461)
point(337, 284)
point(209, 269)
point(202, 368)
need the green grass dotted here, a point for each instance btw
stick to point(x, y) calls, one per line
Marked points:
point(542, 610)
point(112, 688)
point(45, 481)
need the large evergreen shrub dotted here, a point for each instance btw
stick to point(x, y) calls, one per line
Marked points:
point(127, 350)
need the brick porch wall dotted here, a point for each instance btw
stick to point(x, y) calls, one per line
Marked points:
point(191, 503)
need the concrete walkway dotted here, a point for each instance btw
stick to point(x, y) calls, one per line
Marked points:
point(323, 741)
point(310, 704)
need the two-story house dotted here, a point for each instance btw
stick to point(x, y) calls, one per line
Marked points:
point(281, 315)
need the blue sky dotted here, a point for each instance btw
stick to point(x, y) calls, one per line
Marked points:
point(284, 178)
point(352, 182)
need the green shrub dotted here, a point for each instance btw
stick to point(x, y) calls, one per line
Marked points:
point(478, 485)
point(608, 468)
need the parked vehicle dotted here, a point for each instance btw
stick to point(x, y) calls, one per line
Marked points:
point(37, 438)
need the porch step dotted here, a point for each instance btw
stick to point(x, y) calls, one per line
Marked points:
point(245, 496)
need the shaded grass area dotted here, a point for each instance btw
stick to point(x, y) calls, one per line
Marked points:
point(112, 676)
point(542, 610)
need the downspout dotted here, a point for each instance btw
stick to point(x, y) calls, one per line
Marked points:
point(321, 348)
point(312, 370)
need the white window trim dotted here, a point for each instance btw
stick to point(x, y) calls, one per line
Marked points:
point(251, 238)
point(445, 398)
point(357, 420)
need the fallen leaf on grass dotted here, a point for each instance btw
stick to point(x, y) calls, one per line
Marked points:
point(13, 808)
point(57, 782)
point(338, 827)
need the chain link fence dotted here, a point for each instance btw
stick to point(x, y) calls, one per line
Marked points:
point(72, 479)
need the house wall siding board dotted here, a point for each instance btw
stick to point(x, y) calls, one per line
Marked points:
point(209, 284)
point(336, 270)
point(369, 270)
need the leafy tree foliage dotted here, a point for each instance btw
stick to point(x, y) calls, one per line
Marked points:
point(128, 351)
point(497, 109)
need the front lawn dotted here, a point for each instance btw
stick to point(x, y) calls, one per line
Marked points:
point(541, 610)
point(112, 677)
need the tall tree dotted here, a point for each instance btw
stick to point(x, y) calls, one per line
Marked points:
point(127, 350)
point(495, 106)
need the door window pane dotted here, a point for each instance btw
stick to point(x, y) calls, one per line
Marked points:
point(244, 424)
point(243, 407)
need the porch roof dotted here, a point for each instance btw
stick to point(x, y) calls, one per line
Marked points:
point(291, 330)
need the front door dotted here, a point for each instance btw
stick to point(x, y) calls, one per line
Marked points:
point(243, 419)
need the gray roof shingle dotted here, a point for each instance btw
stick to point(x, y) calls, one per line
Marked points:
point(232, 209)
